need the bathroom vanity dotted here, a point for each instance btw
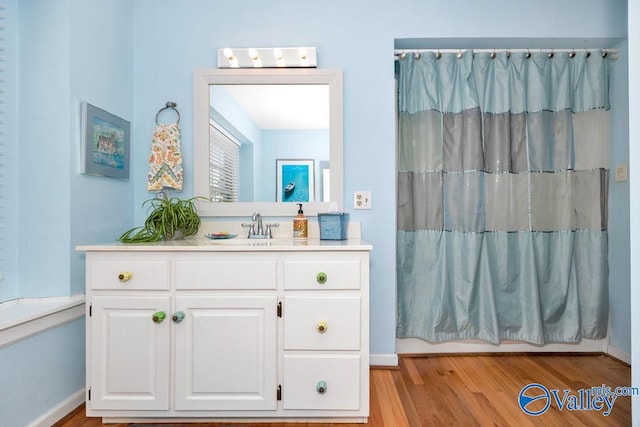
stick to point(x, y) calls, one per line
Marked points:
point(238, 329)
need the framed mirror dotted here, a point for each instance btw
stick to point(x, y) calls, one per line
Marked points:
point(302, 154)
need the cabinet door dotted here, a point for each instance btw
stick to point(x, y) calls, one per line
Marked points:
point(226, 353)
point(129, 360)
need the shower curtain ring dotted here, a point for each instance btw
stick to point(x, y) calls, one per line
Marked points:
point(438, 54)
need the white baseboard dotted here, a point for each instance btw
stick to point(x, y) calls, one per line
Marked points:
point(383, 359)
point(59, 411)
point(417, 346)
point(619, 354)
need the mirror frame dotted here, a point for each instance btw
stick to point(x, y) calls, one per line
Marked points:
point(203, 78)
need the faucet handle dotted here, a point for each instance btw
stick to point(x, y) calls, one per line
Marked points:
point(268, 229)
point(252, 229)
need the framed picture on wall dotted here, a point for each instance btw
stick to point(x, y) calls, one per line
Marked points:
point(106, 145)
point(295, 180)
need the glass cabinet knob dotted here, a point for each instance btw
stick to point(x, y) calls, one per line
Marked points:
point(178, 316)
point(159, 316)
point(321, 387)
point(321, 278)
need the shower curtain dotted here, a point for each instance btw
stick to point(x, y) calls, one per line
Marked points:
point(502, 196)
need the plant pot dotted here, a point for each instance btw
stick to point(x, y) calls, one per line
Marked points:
point(178, 235)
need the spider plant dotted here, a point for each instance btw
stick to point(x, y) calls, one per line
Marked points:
point(168, 219)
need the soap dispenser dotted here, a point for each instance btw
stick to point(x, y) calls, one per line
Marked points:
point(300, 225)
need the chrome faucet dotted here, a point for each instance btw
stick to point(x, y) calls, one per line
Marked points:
point(257, 230)
point(256, 217)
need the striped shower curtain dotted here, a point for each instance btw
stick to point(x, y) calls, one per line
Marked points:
point(503, 170)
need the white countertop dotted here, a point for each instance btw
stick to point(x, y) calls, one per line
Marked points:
point(282, 241)
point(237, 244)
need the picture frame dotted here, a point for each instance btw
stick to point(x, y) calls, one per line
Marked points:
point(295, 180)
point(106, 143)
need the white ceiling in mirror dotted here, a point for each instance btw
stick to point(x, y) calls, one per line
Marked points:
point(284, 106)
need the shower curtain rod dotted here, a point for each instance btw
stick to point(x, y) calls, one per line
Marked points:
point(611, 53)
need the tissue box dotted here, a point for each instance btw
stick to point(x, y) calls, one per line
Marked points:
point(333, 226)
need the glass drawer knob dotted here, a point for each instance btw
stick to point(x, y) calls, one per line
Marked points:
point(321, 387)
point(125, 276)
point(178, 316)
point(321, 278)
point(159, 316)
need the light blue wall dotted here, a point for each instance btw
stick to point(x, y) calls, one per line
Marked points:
point(358, 37)
point(230, 115)
point(38, 373)
point(101, 73)
point(9, 127)
point(69, 51)
point(45, 151)
point(619, 219)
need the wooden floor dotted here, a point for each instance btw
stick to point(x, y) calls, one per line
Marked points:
point(474, 390)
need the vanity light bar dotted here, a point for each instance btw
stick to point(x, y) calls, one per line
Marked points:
point(263, 57)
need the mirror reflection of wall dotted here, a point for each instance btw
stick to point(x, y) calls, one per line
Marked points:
point(267, 123)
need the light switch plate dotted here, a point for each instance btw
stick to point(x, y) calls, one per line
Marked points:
point(621, 173)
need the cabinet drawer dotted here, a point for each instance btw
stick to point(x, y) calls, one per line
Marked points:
point(226, 273)
point(322, 323)
point(132, 272)
point(322, 273)
point(326, 381)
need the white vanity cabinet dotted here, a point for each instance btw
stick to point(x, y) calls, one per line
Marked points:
point(213, 332)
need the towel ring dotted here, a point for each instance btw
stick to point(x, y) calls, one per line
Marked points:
point(169, 105)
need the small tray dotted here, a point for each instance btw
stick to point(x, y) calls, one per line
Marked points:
point(220, 236)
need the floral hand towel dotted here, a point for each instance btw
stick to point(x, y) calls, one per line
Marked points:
point(165, 161)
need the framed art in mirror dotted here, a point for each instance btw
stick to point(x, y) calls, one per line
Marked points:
point(295, 180)
point(106, 144)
